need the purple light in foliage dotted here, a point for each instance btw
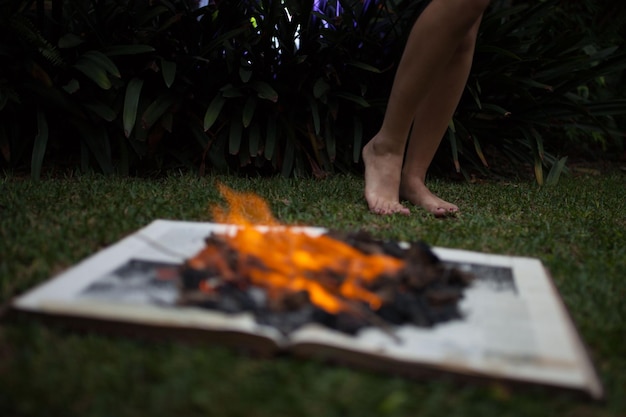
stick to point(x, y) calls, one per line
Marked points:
point(319, 6)
point(322, 7)
point(198, 4)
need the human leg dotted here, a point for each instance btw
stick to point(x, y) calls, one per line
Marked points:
point(425, 57)
point(431, 120)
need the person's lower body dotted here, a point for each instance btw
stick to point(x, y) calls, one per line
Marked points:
point(428, 85)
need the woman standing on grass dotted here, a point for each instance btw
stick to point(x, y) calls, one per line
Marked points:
point(427, 88)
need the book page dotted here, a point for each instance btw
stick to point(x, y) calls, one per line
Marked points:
point(128, 281)
point(513, 326)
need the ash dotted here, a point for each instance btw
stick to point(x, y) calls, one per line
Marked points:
point(425, 292)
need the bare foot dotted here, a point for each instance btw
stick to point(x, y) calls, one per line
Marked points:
point(382, 180)
point(416, 192)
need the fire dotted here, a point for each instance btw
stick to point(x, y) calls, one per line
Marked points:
point(245, 209)
point(284, 258)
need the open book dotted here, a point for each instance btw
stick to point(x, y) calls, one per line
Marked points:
point(514, 326)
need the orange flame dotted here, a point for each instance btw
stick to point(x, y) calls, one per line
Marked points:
point(331, 271)
point(245, 209)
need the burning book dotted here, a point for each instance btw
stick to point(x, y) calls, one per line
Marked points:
point(346, 282)
point(288, 278)
point(398, 307)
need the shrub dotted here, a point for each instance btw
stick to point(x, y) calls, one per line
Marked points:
point(529, 88)
point(268, 86)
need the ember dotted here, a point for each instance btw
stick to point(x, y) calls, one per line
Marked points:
point(288, 278)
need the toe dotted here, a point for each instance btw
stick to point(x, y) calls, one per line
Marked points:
point(439, 212)
point(387, 208)
point(402, 210)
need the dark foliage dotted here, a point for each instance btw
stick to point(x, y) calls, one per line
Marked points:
point(291, 87)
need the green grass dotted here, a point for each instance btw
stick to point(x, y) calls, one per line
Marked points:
point(577, 228)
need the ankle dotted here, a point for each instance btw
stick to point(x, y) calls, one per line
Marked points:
point(413, 179)
point(381, 145)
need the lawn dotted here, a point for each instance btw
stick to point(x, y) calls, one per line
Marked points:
point(578, 228)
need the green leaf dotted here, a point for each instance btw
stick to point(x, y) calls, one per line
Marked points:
point(455, 149)
point(40, 145)
point(69, 40)
point(353, 98)
point(603, 54)
point(217, 151)
point(230, 91)
point(315, 114)
point(234, 136)
point(117, 50)
point(364, 66)
point(156, 109)
point(104, 111)
point(537, 143)
point(219, 42)
point(152, 13)
point(475, 93)
point(213, 111)
point(254, 139)
point(248, 111)
point(245, 73)
point(607, 108)
point(168, 68)
point(555, 172)
point(496, 109)
point(173, 20)
point(131, 103)
point(289, 157)
point(532, 83)
point(265, 91)
point(538, 170)
point(320, 88)
point(103, 61)
point(479, 151)
point(270, 138)
point(452, 125)
point(94, 72)
point(72, 86)
point(97, 141)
